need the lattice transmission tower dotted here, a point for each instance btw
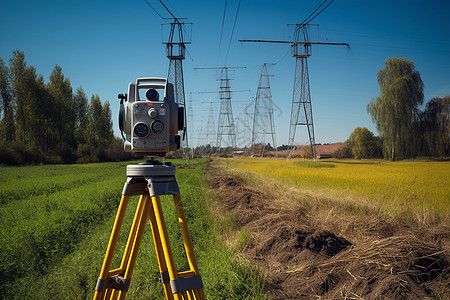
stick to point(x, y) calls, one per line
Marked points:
point(208, 130)
point(191, 128)
point(226, 131)
point(243, 127)
point(263, 120)
point(175, 52)
point(211, 132)
point(301, 110)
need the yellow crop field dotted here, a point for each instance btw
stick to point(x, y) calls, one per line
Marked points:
point(418, 185)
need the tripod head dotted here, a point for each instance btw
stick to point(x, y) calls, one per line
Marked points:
point(151, 168)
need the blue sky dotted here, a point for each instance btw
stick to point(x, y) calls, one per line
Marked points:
point(104, 45)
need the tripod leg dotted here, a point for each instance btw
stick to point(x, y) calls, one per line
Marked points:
point(137, 240)
point(160, 255)
point(187, 242)
point(186, 235)
point(132, 235)
point(112, 242)
point(111, 293)
point(173, 274)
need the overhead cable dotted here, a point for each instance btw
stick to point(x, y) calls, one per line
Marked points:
point(310, 20)
point(154, 9)
point(311, 14)
point(162, 3)
point(232, 32)
point(221, 30)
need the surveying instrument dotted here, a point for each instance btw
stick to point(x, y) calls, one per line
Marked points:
point(151, 127)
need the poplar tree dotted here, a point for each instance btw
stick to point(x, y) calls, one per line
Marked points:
point(396, 109)
point(95, 116)
point(107, 135)
point(64, 115)
point(47, 121)
point(81, 112)
point(41, 129)
point(17, 67)
point(6, 105)
point(31, 117)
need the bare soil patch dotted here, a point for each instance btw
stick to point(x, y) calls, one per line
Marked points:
point(308, 254)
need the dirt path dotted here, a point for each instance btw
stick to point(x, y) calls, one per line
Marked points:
point(316, 251)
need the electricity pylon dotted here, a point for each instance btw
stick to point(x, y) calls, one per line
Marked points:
point(190, 114)
point(263, 121)
point(211, 133)
point(301, 111)
point(175, 52)
point(226, 131)
point(243, 128)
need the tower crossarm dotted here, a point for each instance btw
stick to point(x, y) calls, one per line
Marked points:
point(215, 68)
point(294, 42)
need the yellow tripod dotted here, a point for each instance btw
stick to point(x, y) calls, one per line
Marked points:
point(150, 180)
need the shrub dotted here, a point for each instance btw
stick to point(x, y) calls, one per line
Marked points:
point(16, 153)
point(364, 144)
point(343, 152)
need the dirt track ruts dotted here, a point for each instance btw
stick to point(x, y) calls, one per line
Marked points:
point(301, 260)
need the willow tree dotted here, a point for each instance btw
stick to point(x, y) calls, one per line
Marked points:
point(396, 109)
point(435, 126)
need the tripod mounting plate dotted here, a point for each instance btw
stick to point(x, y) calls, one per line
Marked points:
point(150, 170)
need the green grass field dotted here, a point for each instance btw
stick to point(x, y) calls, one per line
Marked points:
point(420, 186)
point(55, 220)
point(55, 223)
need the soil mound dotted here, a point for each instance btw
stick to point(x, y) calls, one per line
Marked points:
point(303, 261)
point(325, 243)
point(285, 245)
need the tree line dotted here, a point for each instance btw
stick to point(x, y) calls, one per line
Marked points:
point(406, 130)
point(48, 122)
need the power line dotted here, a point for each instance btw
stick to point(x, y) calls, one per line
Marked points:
point(320, 12)
point(304, 20)
point(221, 30)
point(154, 9)
point(284, 55)
point(162, 3)
point(172, 7)
point(232, 32)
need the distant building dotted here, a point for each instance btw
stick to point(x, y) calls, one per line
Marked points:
point(238, 154)
point(326, 151)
